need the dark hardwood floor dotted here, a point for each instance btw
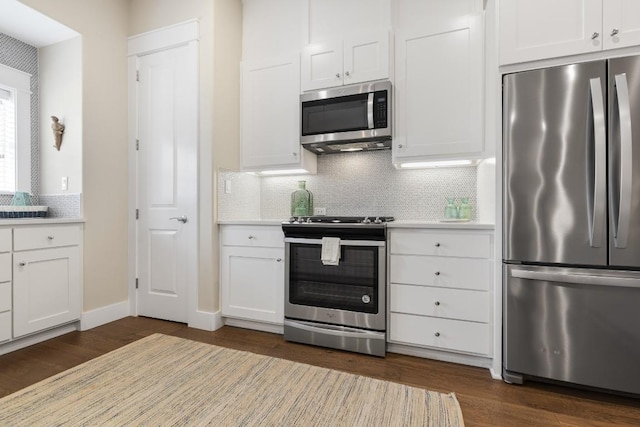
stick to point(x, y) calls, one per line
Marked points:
point(484, 401)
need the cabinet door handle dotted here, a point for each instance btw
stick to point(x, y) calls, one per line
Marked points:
point(437, 244)
point(278, 259)
point(251, 237)
point(437, 303)
point(595, 36)
point(400, 145)
point(346, 73)
point(295, 154)
point(22, 264)
point(338, 75)
point(183, 219)
point(50, 237)
point(437, 334)
point(614, 32)
point(437, 273)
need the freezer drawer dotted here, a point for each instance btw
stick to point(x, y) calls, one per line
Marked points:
point(574, 325)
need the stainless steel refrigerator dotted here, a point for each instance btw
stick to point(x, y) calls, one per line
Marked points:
point(571, 151)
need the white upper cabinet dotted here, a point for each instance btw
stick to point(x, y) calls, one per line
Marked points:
point(271, 28)
point(621, 23)
point(539, 29)
point(347, 42)
point(272, 36)
point(439, 80)
point(358, 58)
point(270, 119)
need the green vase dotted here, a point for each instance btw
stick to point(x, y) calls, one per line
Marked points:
point(464, 211)
point(450, 210)
point(301, 201)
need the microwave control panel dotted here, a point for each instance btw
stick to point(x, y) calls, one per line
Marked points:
point(380, 109)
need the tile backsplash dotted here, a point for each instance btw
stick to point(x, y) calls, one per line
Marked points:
point(350, 184)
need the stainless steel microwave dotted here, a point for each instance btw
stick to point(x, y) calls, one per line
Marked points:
point(347, 118)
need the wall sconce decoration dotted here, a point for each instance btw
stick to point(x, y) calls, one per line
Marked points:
point(58, 129)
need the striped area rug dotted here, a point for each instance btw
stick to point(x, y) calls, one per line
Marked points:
point(162, 380)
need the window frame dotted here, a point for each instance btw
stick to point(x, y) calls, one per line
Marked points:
point(19, 83)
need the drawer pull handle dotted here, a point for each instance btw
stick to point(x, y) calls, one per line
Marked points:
point(437, 273)
point(22, 264)
point(50, 237)
point(437, 303)
point(251, 237)
point(278, 259)
point(437, 244)
point(437, 334)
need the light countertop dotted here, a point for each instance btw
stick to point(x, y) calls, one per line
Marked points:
point(393, 224)
point(39, 221)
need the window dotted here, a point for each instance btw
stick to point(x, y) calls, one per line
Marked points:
point(15, 130)
point(7, 142)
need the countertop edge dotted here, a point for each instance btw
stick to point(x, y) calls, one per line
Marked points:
point(40, 221)
point(441, 225)
point(393, 224)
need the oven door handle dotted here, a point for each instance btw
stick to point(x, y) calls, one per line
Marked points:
point(342, 242)
point(338, 331)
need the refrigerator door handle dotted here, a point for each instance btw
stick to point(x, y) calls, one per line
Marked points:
point(626, 161)
point(580, 279)
point(600, 150)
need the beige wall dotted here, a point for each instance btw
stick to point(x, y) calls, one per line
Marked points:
point(103, 25)
point(60, 72)
point(220, 25)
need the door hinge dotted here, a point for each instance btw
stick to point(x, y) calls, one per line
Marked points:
point(137, 144)
point(136, 283)
point(137, 75)
point(137, 213)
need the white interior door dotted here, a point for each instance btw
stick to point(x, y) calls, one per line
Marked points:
point(167, 181)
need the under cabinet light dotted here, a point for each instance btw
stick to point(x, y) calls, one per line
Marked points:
point(437, 164)
point(284, 172)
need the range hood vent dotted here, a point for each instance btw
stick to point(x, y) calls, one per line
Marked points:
point(333, 147)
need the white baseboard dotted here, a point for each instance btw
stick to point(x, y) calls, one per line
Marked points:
point(19, 343)
point(258, 326)
point(206, 321)
point(444, 356)
point(496, 375)
point(103, 315)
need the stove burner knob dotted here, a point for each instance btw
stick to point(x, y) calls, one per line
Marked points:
point(308, 220)
point(300, 219)
point(366, 220)
point(378, 220)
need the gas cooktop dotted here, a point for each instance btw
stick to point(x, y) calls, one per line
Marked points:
point(352, 220)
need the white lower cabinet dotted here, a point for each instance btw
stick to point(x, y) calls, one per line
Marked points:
point(46, 289)
point(440, 290)
point(40, 278)
point(252, 273)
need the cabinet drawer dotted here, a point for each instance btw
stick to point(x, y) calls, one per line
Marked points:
point(417, 242)
point(461, 273)
point(439, 333)
point(253, 236)
point(5, 239)
point(45, 237)
point(5, 326)
point(440, 302)
point(5, 267)
point(5, 296)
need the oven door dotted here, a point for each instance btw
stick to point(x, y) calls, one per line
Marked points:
point(349, 294)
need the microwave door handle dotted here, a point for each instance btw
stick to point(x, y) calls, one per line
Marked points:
point(370, 110)
point(626, 161)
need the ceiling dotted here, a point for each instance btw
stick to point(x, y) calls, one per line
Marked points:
point(32, 27)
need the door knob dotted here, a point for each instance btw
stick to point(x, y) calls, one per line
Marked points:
point(182, 219)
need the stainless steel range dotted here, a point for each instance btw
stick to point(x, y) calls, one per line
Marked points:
point(338, 306)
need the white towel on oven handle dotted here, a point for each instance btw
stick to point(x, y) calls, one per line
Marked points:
point(330, 251)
